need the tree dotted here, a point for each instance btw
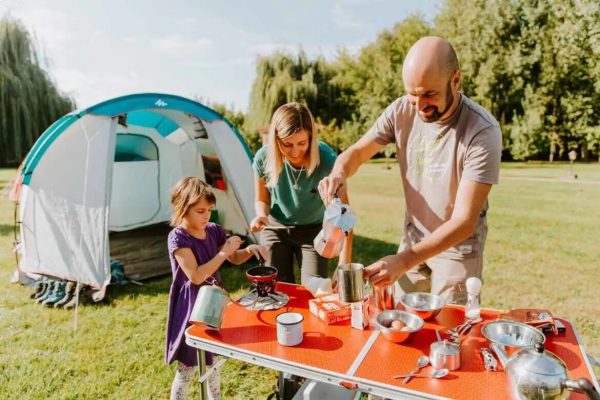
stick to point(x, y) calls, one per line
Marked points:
point(282, 78)
point(29, 101)
point(534, 65)
point(373, 79)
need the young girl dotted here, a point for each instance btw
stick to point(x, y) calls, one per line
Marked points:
point(289, 209)
point(197, 248)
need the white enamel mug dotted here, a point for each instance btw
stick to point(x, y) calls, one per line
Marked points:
point(289, 328)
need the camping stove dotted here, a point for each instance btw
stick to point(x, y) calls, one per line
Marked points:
point(262, 295)
point(271, 301)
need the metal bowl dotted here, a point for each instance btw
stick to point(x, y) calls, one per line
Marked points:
point(425, 305)
point(384, 320)
point(512, 334)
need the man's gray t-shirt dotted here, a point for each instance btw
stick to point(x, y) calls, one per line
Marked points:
point(435, 157)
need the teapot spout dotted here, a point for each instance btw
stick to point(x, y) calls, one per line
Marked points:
point(500, 352)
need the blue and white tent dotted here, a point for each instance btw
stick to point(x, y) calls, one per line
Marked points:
point(111, 166)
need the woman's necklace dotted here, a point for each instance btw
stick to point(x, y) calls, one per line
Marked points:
point(294, 177)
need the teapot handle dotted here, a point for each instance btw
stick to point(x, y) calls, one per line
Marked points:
point(582, 385)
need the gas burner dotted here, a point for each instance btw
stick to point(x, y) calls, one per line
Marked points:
point(263, 289)
point(271, 301)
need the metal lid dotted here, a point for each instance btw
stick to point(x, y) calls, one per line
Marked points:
point(538, 361)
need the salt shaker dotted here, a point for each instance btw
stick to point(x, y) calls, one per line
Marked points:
point(473, 310)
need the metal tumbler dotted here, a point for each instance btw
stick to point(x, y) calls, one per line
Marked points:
point(384, 297)
point(351, 282)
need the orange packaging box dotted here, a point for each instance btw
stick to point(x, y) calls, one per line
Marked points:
point(330, 309)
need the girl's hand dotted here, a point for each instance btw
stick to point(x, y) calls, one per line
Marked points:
point(259, 251)
point(231, 245)
point(258, 223)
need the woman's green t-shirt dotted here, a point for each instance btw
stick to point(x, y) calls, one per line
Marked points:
point(298, 204)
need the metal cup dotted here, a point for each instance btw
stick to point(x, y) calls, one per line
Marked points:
point(444, 354)
point(351, 282)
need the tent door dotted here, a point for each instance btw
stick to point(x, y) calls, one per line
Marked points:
point(135, 193)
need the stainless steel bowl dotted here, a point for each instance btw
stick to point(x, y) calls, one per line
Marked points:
point(384, 320)
point(425, 305)
point(512, 334)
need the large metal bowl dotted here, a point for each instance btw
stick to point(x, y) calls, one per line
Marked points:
point(384, 320)
point(425, 305)
point(512, 334)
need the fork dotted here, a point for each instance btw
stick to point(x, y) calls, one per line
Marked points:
point(456, 332)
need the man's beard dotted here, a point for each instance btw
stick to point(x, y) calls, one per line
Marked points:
point(437, 114)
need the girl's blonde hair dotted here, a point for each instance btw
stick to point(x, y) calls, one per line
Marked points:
point(186, 193)
point(288, 119)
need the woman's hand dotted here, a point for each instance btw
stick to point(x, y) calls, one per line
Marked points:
point(259, 251)
point(258, 223)
point(231, 245)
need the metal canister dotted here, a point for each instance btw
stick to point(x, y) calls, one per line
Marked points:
point(351, 282)
point(359, 319)
point(209, 306)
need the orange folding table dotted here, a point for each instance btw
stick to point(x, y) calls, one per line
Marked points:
point(363, 359)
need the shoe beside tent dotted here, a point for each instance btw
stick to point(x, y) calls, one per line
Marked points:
point(110, 168)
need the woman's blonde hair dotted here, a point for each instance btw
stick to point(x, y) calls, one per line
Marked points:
point(186, 193)
point(288, 119)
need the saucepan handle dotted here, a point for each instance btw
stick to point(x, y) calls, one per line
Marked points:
point(582, 385)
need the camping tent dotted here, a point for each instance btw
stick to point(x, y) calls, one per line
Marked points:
point(110, 167)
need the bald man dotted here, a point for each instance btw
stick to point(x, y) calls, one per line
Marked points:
point(448, 149)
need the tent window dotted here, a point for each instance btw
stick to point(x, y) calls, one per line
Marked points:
point(133, 147)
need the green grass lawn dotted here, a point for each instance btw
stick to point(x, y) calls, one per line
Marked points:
point(542, 251)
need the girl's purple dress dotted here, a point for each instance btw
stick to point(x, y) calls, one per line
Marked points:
point(183, 292)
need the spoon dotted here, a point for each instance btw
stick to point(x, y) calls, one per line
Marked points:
point(421, 362)
point(438, 373)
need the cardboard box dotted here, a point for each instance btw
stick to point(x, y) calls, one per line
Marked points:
point(330, 309)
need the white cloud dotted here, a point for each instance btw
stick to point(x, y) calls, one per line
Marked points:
point(51, 29)
point(91, 87)
point(225, 63)
point(181, 44)
point(267, 48)
point(345, 19)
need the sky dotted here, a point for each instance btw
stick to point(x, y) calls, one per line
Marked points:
point(95, 50)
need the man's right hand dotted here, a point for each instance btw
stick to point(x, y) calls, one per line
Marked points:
point(329, 186)
point(258, 223)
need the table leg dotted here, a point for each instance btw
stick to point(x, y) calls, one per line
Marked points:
point(281, 384)
point(201, 371)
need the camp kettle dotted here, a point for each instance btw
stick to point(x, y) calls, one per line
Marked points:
point(534, 373)
point(210, 305)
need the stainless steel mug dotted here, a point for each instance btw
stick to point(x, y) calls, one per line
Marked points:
point(351, 282)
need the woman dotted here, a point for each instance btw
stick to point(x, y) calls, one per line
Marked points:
point(289, 210)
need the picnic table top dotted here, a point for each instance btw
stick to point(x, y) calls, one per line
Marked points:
point(364, 359)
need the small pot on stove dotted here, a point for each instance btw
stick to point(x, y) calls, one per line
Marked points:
point(262, 278)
